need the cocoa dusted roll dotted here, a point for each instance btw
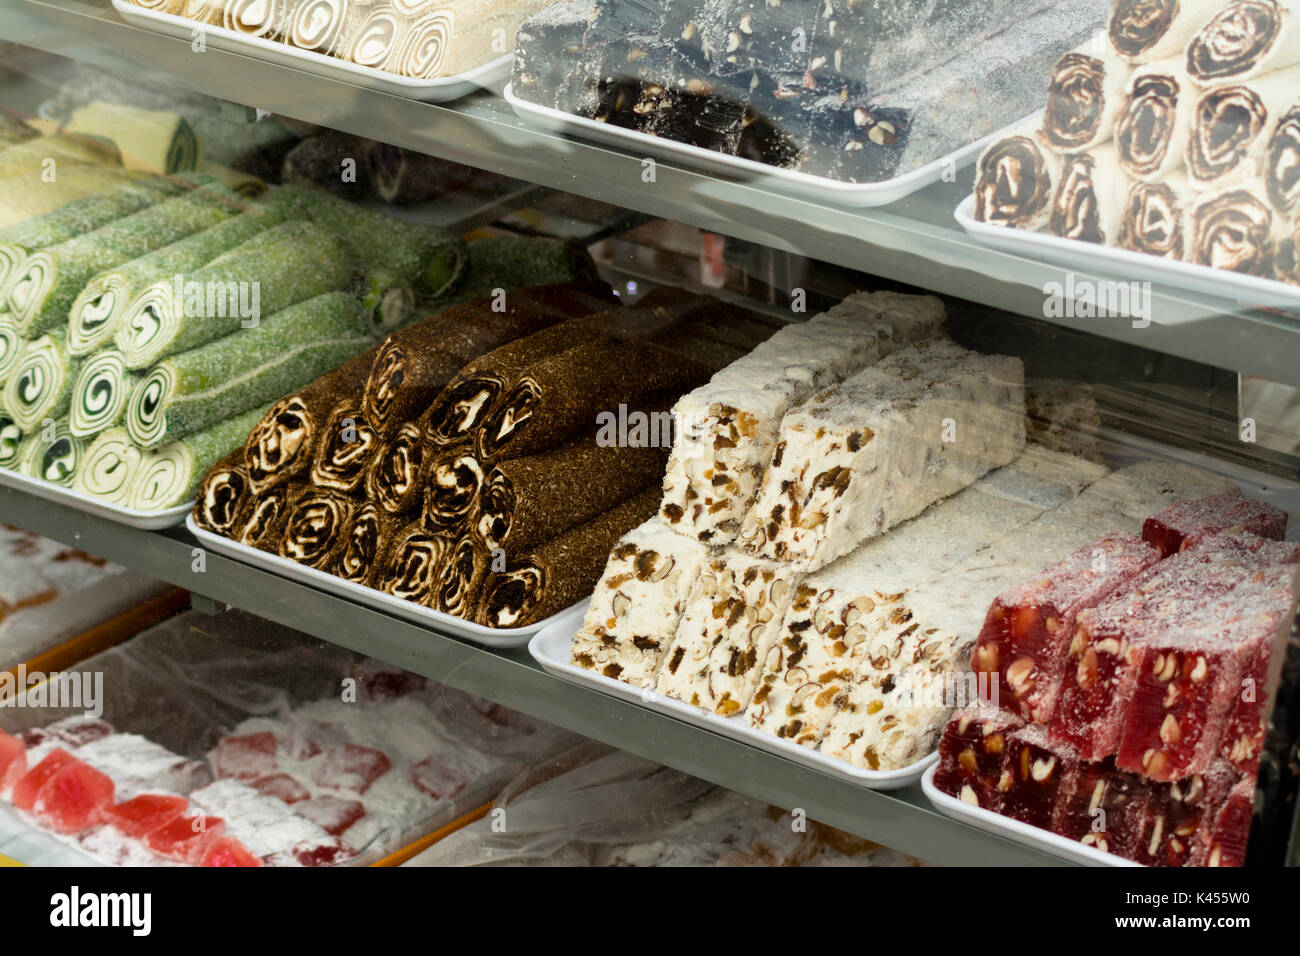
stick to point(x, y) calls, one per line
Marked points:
point(345, 446)
point(1282, 166)
point(1232, 128)
point(1245, 39)
point(313, 526)
point(561, 396)
point(279, 448)
point(1088, 202)
point(1155, 119)
point(527, 501)
point(1015, 181)
point(412, 563)
point(265, 521)
point(1232, 229)
point(1082, 99)
point(561, 572)
point(224, 497)
point(461, 580)
point(409, 372)
point(1155, 215)
point(366, 538)
point(393, 478)
point(452, 485)
point(1145, 30)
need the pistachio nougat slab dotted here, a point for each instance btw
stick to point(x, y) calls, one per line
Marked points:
point(727, 428)
point(863, 456)
point(638, 603)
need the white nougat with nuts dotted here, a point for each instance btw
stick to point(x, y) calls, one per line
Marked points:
point(876, 450)
point(728, 428)
point(638, 604)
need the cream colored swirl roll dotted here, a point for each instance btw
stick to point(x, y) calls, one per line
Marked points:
point(318, 24)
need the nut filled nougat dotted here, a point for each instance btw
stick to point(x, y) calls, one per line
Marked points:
point(728, 428)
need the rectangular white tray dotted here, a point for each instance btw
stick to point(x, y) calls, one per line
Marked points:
point(1128, 266)
point(369, 597)
point(788, 181)
point(440, 90)
point(145, 520)
point(1014, 830)
point(550, 648)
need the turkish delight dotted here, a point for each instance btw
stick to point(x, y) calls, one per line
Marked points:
point(75, 798)
point(138, 765)
point(142, 815)
point(246, 757)
point(334, 815)
point(973, 755)
point(29, 786)
point(228, 851)
point(1230, 831)
point(187, 839)
point(1188, 808)
point(263, 824)
point(13, 761)
point(1103, 808)
point(1188, 523)
point(1040, 771)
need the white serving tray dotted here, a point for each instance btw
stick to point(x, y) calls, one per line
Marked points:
point(788, 181)
point(145, 520)
point(1016, 831)
point(440, 90)
point(1074, 254)
point(369, 597)
point(550, 648)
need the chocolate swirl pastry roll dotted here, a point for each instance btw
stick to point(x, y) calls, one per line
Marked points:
point(460, 582)
point(412, 564)
point(279, 448)
point(223, 498)
point(393, 478)
point(560, 396)
point(451, 490)
point(1233, 126)
point(561, 572)
point(1232, 229)
point(344, 449)
point(1083, 97)
point(366, 539)
point(1143, 31)
point(1245, 39)
point(1154, 217)
point(263, 522)
point(1088, 204)
point(1282, 165)
point(527, 501)
point(1015, 181)
point(1155, 119)
point(313, 526)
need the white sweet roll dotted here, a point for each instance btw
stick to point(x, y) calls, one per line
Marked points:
point(1233, 127)
point(1282, 165)
point(1083, 98)
point(373, 41)
point(162, 6)
point(1233, 229)
point(456, 36)
point(1143, 31)
point(255, 18)
point(1016, 179)
point(1155, 120)
point(1089, 199)
point(1154, 216)
point(317, 24)
point(1246, 39)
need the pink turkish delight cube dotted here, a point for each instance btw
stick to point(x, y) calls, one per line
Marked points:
point(438, 778)
point(13, 760)
point(75, 798)
point(1039, 770)
point(247, 757)
point(187, 839)
point(229, 852)
point(1230, 831)
point(29, 785)
point(140, 816)
point(1189, 523)
point(1103, 808)
point(282, 787)
point(1025, 638)
point(332, 814)
point(973, 754)
point(352, 767)
point(322, 853)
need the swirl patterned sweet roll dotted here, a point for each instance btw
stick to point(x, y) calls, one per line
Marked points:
point(1084, 95)
point(373, 41)
point(366, 540)
point(344, 449)
point(453, 485)
point(1282, 164)
point(1015, 182)
point(317, 24)
point(460, 582)
point(263, 523)
point(1155, 120)
point(1154, 217)
point(40, 385)
point(313, 527)
point(109, 466)
point(11, 441)
point(1088, 202)
point(1142, 31)
point(224, 497)
point(55, 460)
point(1232, 128)
point(255, 18)
point(1245, 39)
point(446, 37)
point(412, 564)
point(11, 345)
point(1233, 230)
point(170, 474)
point(100, 393)
point(393, 479)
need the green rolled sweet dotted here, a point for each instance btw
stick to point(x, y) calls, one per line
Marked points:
point(511, 262)
point(190, 391)
point(54, 457)
point(98, 311)
point(79, 217)
point(11, 441)
point(277, 268)
point(50, 279)
point(11, 345)
point(40, 384)
point(387, 302)
point(100, 393)
point(170, 474)
point(108, 466)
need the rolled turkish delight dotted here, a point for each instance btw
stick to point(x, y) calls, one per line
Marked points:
point(1155, 119)
point(1146, 30)
point(1103, 808)
point(1233, 125)
point(1015, 180)
point(973, 755)
point(1188, 523)
point(1282, 169)
point(1243, 40)
point(1040, 771)
point(1142, 489)
point(1155, 217)
point(1083, 97)
point(1089, 200)
point(876, 450)
point(638, 603)
point(1234, 229)
point(727, 428)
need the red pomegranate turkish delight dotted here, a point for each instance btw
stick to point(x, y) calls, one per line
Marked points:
point(1189, 523)
point(972, 755)
point(1039, 770)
